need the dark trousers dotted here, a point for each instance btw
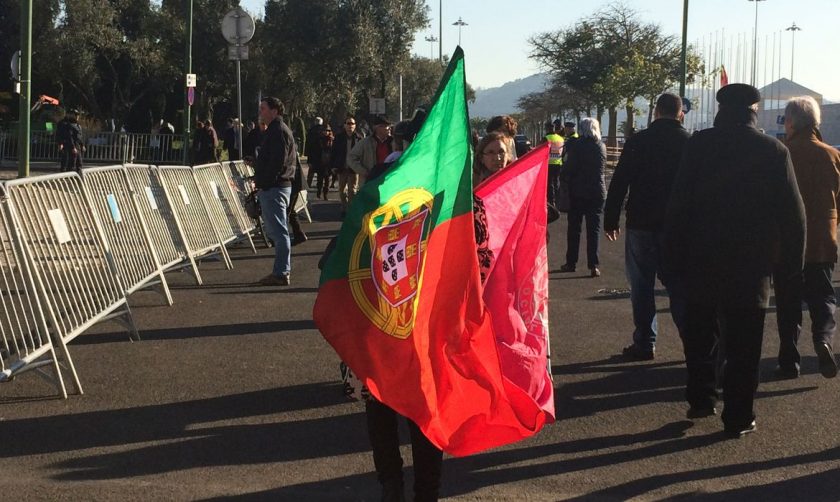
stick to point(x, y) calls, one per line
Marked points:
point(813, 286)
point(70, 161)
point(553, 183)
point(741, 331)
point(593, 235)
point(384, 438)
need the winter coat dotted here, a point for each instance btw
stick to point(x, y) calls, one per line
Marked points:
point(584, 171)
point(647, 168)
point(277, 159)
point(734, 210)
point(817, 168)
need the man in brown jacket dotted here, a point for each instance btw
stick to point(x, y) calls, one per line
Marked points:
point(817, 168)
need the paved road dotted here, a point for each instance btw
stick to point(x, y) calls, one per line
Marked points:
point(233, 394)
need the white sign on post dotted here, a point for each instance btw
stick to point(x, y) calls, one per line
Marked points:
point(377, 106)
point(191, 79)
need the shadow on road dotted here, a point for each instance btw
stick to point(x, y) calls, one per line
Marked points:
point(248, 328)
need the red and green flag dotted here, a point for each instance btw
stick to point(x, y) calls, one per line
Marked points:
point(401, 300)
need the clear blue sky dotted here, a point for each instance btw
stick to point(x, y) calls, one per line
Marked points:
point(496, 47)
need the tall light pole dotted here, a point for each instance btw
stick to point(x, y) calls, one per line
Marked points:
point(440, 30)
point(460, 24)
point(792, 29)
point(431, 39)
point(187, 104)
point(755, 41)
point(25, 79)
point(683, 65)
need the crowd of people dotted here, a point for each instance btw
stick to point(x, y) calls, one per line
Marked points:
point(718, 217)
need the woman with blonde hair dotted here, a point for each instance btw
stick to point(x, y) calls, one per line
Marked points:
point(584, 169)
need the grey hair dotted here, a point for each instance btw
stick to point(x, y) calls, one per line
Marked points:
point(590, 128)
point(803, 112)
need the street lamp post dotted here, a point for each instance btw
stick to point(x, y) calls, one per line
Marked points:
point(755, 41)
point(460, 24)
point(440, 30)
point(187, 104)
point(25, 80)
point(431, 39)
point(792, 29)
point(683, 69)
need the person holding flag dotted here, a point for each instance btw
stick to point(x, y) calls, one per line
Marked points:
point(417, 331)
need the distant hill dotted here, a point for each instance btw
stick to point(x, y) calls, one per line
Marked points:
point(502, 100)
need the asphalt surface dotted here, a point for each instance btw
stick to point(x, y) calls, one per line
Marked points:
point(232, 393)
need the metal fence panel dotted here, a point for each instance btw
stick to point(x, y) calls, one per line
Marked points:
point(126, 231)
point(164, 226)
point(72, 265)
point(192, 213)
point(217, 186)
point(102, 147)
point(25, 342)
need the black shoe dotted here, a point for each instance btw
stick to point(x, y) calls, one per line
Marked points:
point(635, 353)
point(567, 268)
point(700, 412)
point(786, 372)
point(828, 366)
point(739, 432)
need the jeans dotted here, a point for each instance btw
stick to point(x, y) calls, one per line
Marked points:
point(274, 203)
point(813, 286)
point(593, 235)
point(741, 331)
point(643, 262)
point(385, 441)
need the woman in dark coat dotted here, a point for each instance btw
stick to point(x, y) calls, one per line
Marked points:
point(584, 171)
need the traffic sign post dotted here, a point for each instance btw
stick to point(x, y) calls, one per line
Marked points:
point(238, 29)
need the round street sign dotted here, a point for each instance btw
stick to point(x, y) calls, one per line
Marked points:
point(686, 104)
point(190, 95)
point(238, 27)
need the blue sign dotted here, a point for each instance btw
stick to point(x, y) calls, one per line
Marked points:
point(780, 119)
point(115, 209)
point(686, 104)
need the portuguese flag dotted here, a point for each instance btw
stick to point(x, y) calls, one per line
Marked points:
point(400, 297)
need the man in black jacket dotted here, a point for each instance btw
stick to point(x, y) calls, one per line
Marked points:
point(647, 167)
point(70, 144)
point(273, 174)
point(735, 209)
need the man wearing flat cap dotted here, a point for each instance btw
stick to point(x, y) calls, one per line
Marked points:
point(734, 212)
point(373, 150)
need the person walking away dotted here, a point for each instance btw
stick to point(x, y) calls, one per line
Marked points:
point(647, 167)
point(274, 174)
point(214, 140)
point(734, 210)
point(584, 169)
point(324, 144)
point(70, 142)
point(817, 168)
point(343, 144)
point(312, 150)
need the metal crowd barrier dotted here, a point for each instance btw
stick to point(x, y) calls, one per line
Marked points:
point(120, 216)
point(191, 211)
point(25, 342)
point(165, 229)
point(217, 186)
point(72, 265)
point(103, 147)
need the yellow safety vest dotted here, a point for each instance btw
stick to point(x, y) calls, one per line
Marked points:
point(555, 149)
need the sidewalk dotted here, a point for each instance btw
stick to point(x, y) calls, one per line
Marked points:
point(233, 394)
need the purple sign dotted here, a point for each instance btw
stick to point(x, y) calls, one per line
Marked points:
point(190, 95)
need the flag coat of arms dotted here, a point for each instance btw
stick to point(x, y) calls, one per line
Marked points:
point(400, 295)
